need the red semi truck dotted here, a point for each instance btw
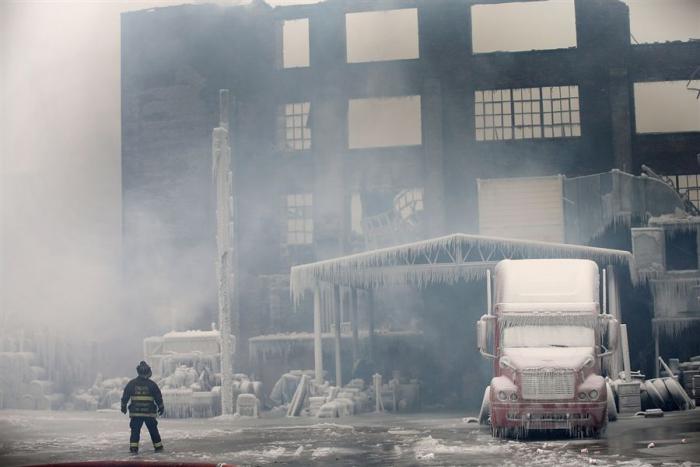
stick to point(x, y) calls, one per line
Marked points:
point(547, 337)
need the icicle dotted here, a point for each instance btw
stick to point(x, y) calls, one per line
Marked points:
point(396, 265)
point(674, 327)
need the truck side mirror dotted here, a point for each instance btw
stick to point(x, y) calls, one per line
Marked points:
point(484, 328)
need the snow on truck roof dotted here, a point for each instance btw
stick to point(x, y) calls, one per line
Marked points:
point(441, 260)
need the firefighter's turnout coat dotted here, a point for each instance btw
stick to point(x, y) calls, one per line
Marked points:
point(146, 399)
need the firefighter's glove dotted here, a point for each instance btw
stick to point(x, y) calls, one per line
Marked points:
point(124, 409)
point(161, 411)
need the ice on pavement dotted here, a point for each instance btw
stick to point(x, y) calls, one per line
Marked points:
point(34, 437)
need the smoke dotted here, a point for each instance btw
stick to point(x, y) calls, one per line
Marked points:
point(60, 183)
point(61, 250)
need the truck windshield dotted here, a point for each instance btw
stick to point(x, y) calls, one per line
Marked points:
point(548, 336)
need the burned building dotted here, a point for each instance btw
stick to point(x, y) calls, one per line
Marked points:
point(359, 124)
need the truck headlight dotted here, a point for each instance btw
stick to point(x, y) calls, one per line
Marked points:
point(502, 395)
point(582, 396)
point(513, 397)
point(593, 395)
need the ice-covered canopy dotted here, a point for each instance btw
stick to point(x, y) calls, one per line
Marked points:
point(441, 260)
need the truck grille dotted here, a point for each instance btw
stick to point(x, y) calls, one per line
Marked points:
point(548, 384)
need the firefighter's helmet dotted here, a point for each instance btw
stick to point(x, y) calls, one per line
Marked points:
point(144, 370)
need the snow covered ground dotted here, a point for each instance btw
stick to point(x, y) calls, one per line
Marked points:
point(423, 439)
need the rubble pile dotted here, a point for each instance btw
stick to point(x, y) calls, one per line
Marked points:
point(689, 377)
point(298, 394)
point(38, 369)
point(104, 394)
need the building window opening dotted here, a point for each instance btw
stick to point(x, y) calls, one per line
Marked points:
point(295, 43)
point(492, 110)
point(384, 122)
point(373, 36)
point(561, 111)
point(540, 25)
point(681, 250)
point(527, 113)
point(300, 224)
point(295, 133)
point(408, 203)
point(667, 106)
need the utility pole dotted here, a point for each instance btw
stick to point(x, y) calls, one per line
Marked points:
point(222, 174)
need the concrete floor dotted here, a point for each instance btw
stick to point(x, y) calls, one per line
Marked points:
point(28, 437)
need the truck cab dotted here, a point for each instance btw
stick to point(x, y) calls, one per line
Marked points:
point(547, 337)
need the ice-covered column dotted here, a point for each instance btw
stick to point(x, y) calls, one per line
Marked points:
point(222, 173)
point(370, 323)
point(318, 341)
point(616, 359)
point(354, 325)
point(336, 333)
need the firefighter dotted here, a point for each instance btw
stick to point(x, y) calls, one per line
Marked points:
point(146, 401)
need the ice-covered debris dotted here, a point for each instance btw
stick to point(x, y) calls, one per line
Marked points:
point(192, 333)
point(470, 420)
point(427, 448)
point(592, 461)
point(684, 441)
point(651, 445)
point(298, 451)
point(330, 451)
point(274, 452)
point(584, 451)
point(247, 405)
point(403, 432)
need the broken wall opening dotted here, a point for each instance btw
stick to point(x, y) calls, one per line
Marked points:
point(523, 26)
point(373, 36)
point(676, 21)
point(384, 122)
point(295, 43)
point(666, 106)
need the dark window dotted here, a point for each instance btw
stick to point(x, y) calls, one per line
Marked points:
point(681, 250)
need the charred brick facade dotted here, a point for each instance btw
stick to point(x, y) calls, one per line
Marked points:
point(175, 60)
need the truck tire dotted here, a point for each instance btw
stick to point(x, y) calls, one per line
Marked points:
point(644, 396)
point(678, 395)
point(655, 399)
point(612, 408)
point(485, 411)
point(660, 387)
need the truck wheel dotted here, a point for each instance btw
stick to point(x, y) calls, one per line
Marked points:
point(667, 401)
point(612, 408)
point(655, 399)
point(485, 411)
point(677, 393)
